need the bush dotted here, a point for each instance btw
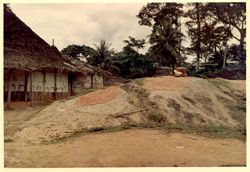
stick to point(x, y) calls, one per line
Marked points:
point(134, 65)
point(156, 117)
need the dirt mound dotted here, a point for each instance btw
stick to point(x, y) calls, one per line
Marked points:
point(162, 101)
point(198, 101)
point(65, 118)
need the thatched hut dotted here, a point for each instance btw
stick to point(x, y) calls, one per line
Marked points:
point(33, 70)
point(87, 76)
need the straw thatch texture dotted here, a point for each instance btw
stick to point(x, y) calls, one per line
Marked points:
point(82, 66)
point(25, 50)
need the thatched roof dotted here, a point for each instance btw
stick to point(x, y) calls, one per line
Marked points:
point(24, 49)
point(82, 66)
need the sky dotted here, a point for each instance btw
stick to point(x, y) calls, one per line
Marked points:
point(83, 23)
point(87, 23)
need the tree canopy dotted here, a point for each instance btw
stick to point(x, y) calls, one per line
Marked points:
point(207, 27)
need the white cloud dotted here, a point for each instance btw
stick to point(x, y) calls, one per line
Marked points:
point(87, 23)
point(83, 23)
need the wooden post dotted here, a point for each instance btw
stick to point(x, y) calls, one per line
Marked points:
point(26, 86)
point(9, 89)
point(55, 86)
point(31, 91)
point(70, 83)
point(92, 80)
point(225, 56)
point(44, 77)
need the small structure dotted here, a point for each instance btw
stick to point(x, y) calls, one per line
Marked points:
point(180, 72)
point(86, 77)
point(35, 71)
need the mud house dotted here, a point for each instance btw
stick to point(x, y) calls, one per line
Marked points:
point(35, 71)
point(87, 76)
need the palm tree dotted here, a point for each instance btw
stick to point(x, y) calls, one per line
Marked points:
point(102, 57)
point(165, 40)
point(102, 54)
point(137, 43)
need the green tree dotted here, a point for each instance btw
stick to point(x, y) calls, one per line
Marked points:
point(102, 55)
point(132, 64)
point(153, 13)
point(135, 43)
point(233, 15)
point(195, 16)
point(75, 50)
point(164, 39)
point(72, 50)
point(166, 34)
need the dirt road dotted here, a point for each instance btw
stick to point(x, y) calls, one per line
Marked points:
point(129, 148)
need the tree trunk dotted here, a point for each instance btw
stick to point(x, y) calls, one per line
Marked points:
point(242, 60)
point(92, 84)
point(198, 36)
point(205, 55)
point(9, 89)
point(225, 58)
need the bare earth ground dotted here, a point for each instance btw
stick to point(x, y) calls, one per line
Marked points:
point(129, 148)
point(59, 135)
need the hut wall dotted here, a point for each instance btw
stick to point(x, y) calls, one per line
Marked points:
point(83, 81)
point(17, 86)
point(40, 93)
point(97, 81)
point(80, 82)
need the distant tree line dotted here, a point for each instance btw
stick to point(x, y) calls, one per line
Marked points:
point(210, 28)
point(128, 63)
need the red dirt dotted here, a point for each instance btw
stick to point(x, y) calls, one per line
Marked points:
point(166, 83)
point(99, 96)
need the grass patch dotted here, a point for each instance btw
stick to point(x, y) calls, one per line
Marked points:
point(211, 131)
point(156, 117)
point(139, 81)
point(173, 104)
point(237, 108)
point(142, 92)
point(8, 139)
point(221, 84)
point(241, 105)
point(188, 99)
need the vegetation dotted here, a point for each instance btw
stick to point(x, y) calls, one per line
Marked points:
point(139, 81)
point(132, 64)
point(76, 50)
point(211, 131)
point(210, 27)
point(134, 43)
